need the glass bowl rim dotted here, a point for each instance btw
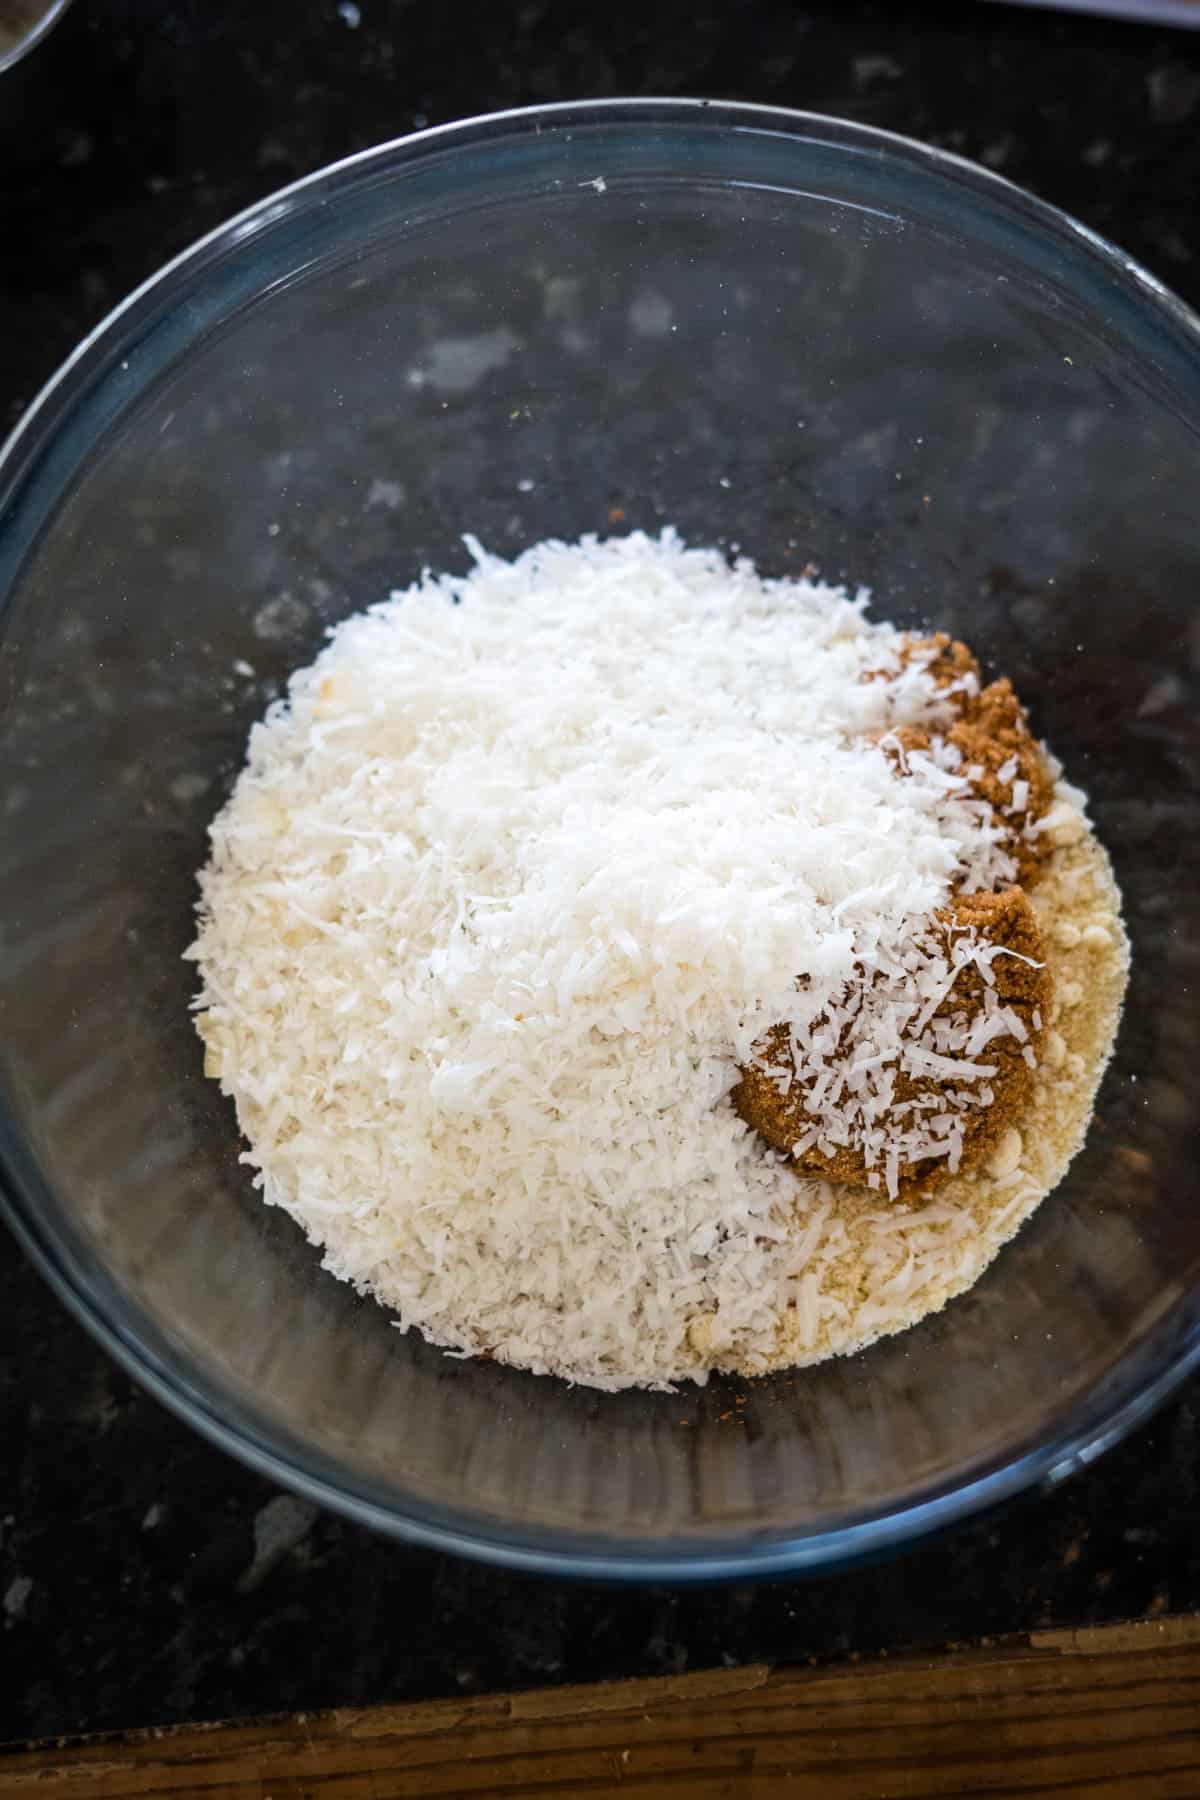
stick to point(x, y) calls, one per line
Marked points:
point(40, 29)
point(1140, 1381)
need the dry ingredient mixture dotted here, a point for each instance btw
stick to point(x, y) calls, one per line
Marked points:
point(626, 966)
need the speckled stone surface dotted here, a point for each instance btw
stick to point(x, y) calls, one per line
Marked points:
point(145, 1578)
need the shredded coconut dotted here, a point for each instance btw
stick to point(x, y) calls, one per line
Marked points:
point(509, 887)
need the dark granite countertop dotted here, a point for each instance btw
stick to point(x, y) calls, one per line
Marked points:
point(144, 1577)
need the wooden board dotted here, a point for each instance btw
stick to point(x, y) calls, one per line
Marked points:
point(1110, 1714)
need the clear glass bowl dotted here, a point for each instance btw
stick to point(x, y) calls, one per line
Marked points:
point(805, 338)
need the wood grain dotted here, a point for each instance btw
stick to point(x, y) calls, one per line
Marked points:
point(1109, 1714)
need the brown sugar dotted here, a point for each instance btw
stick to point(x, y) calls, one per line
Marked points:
point(1001, 762)
point(771, 1098)
point(994, 739)
point(1001, 758)
point(945, 660)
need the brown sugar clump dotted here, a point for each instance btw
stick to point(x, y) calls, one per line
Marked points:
point(927, 1110)
point(772, 1099)
point(1001, 758)
point(1004, 764)
point(945, 660)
